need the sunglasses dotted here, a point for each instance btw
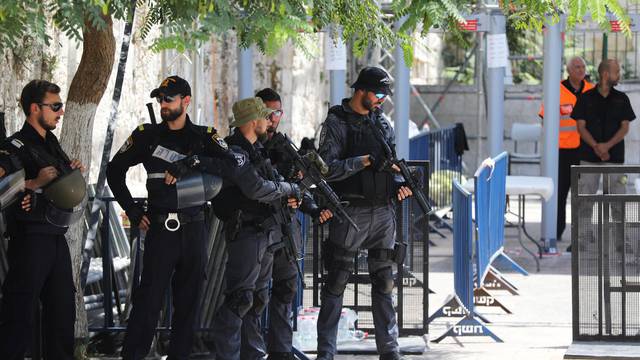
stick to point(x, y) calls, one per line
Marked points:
point(381, 96)
point(277, 113)
point(55, 107)
point(167, 98)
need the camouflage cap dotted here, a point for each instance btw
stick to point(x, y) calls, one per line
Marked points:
point(249, 109)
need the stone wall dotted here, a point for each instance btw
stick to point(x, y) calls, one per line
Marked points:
point(521, 105)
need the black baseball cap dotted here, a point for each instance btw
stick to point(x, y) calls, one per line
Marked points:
point(173, 85)
point(373, 79)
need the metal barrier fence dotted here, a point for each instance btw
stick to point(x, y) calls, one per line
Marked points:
point(412, 282)
point(490, 205)
point(461, 303)
point(445, 165)
point(605, 235)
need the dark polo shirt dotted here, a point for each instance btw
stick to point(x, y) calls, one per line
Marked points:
point(603, 116)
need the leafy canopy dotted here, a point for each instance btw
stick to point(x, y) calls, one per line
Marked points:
point(269, 24)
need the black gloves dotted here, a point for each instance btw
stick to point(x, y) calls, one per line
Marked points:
point(379, 163)
point(180, 168)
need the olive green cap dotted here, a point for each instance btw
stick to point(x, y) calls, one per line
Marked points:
point(249, 109)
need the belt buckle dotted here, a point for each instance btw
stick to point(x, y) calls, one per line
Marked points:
point(172, 217)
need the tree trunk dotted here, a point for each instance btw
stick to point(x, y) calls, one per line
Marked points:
point(85, 92)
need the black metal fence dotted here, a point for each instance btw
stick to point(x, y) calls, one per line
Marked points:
point(412, 282)
point(605, 239)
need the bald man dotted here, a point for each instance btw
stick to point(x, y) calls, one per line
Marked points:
point(569, 139)
point(603, 115)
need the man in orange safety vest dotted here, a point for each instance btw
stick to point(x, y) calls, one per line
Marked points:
point(569, 139)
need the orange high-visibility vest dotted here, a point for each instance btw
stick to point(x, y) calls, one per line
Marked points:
point(569, 137)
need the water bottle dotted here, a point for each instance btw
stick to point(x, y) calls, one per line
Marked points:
point(306, 336)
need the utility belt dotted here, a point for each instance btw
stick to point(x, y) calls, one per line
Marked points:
point(172, 221)
point(261, 225)
point(237, 221)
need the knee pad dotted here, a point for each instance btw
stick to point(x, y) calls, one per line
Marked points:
point(240, 301)
point(382, 280)
point(337, 281)
point(285, 290)
point(260, 300)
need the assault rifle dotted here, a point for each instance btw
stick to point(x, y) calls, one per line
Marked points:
point(391, 159)
point(313, 169)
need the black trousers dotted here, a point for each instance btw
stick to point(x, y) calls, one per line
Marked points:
point(39, 270)
point(178, 257)
point(566, 158)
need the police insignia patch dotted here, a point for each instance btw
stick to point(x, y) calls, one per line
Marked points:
point(240, 159)
point(323, 135)
point(126, 146)
point(220, 141)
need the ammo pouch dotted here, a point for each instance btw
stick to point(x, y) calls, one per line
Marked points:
point(400, 250)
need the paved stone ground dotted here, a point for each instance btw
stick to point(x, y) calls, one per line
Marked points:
point(540, 326)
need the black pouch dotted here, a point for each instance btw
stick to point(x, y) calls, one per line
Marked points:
point(400, 253)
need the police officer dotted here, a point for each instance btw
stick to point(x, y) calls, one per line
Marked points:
point(39, 261)
point(173, 152)
point(285, 274)
point(360, 175)
point(249, 228)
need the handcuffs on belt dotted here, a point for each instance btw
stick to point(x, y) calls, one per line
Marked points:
point(172, 217)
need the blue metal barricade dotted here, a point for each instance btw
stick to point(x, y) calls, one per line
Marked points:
point(490, 191)
point(438, 146)
point(462, 246)
point(461, 303)
point(483, 196)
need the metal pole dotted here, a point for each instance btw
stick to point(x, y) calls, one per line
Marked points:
point(337, 69)
point(401, 97)
point(401, 107)
point(480, 92)
point(245, 73)
point(551, 98)
point(495, 90)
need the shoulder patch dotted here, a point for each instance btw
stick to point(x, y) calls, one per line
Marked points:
point(17, 143)
point(220, 141)
point(126, 146)
point(323, 135)
point(241, 159)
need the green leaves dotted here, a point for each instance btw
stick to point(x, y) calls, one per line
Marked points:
point(269, 24)
point(28, 18)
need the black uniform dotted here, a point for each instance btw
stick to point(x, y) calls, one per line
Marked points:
point(39, 261)
point(178, 255)
point(250, 229)
point(285, 273)
point(566, 159)
point(347, 136)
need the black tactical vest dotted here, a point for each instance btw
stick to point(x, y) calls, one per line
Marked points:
point(369, 186)
point(231, 199)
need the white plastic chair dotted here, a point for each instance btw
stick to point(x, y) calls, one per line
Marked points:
point(521, 132)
